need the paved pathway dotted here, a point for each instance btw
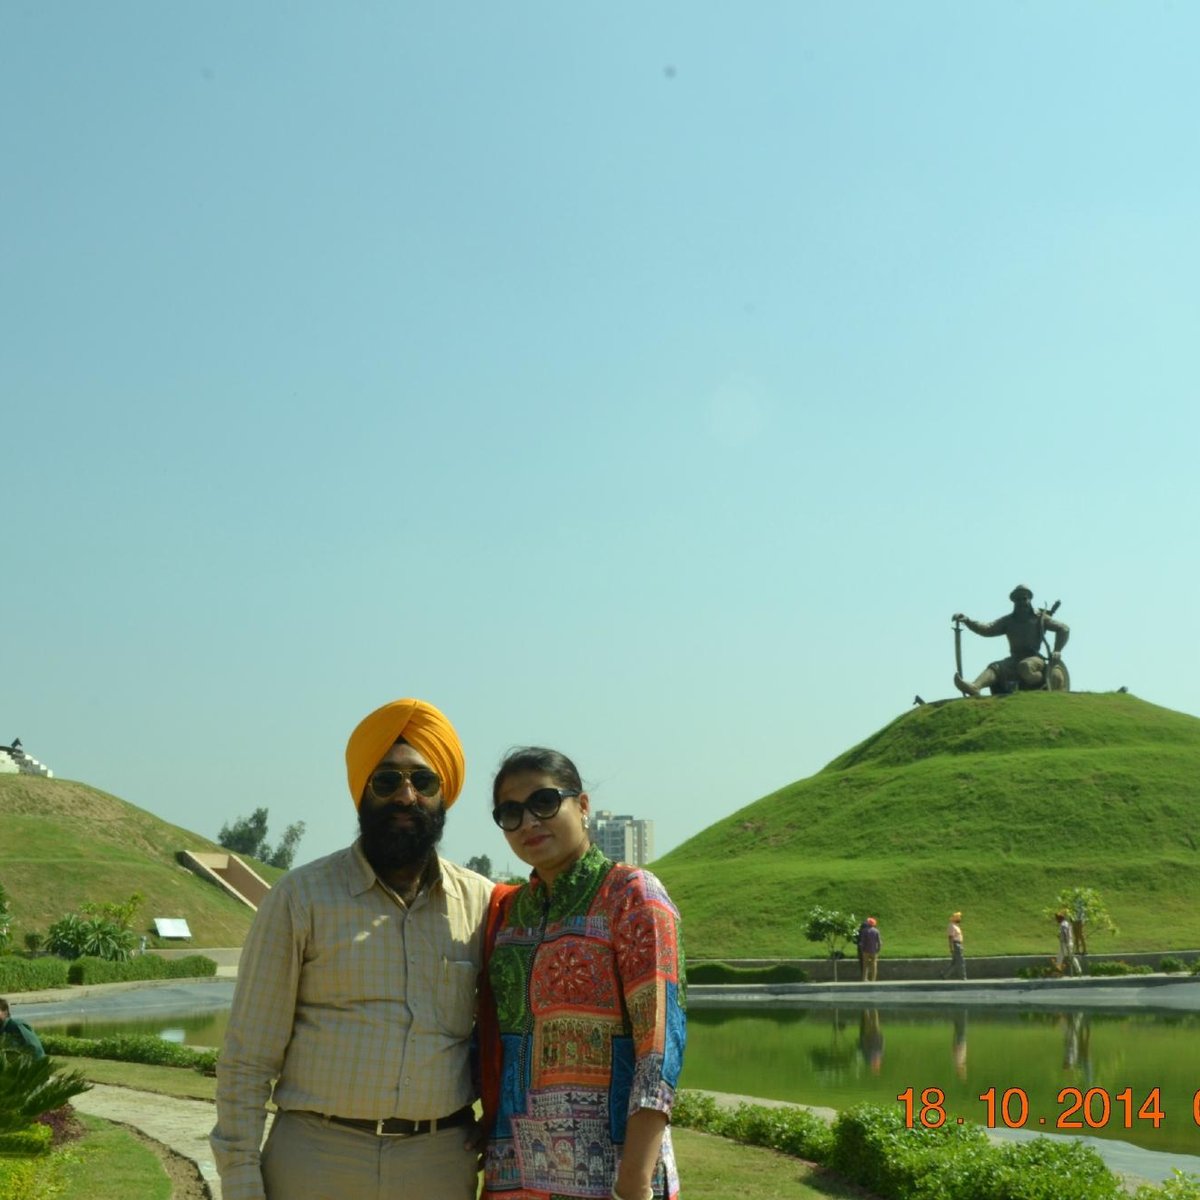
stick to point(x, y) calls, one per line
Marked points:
point(182, 1125)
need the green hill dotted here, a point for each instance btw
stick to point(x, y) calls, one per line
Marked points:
point(63, 843)
point(989, 806)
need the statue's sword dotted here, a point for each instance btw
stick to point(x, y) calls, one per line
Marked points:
point(958, 647)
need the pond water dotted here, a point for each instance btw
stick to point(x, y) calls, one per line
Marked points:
point(842, 1056)
point(201, 1028)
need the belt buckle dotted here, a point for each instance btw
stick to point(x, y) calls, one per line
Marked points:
point(381, 1132)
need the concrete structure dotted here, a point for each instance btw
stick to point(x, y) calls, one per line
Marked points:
point(14, 761)
point(228, 871)
point(623, 838)
point(981, 967)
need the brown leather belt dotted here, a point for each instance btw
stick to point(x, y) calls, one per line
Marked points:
point(401, 1127)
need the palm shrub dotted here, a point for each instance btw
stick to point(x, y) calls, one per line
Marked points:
point(75, 936)
point(30, 1086)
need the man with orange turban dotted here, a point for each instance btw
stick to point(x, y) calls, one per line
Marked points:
point(356, 995)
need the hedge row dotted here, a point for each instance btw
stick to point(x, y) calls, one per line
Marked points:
point(1119, 967)
point(138, 1048)
point(19, 974)
point(26, 1143)
point(31, 974)
point(871, 1146)
point(144, 966)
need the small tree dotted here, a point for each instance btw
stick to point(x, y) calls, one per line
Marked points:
point(1083, 906)
point(248, 835)
point(285, 852)
point(831, 927)
point(481, 863)
point(120, 914)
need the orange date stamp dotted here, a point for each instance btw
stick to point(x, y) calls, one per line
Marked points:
point(1078, 1109)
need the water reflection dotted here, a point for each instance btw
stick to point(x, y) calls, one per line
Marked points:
point(189, 1029)
point(870, 1039)
point(1077, 1046)
point(846, 1055)
point(958, 1050)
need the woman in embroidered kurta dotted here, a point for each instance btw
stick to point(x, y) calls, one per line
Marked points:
point(586, 971)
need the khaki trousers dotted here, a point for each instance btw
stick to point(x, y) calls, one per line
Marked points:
point(309, 1158)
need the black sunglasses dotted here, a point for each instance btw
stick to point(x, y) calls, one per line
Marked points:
point(384, 784)
point(543, 804)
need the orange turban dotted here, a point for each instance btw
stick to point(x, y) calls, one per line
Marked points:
point(423, 727)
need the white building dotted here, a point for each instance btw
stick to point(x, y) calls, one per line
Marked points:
point(623, 838)
point(14, 761)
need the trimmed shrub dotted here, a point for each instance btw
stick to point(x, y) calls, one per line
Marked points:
point(18, 1180)
point(873, 1148)
point(719, 972)
point(1170, 964)
point(1180, 1186)
point(144, 966)
point(1119, 967)
point(791, 1130)
point(1046, 1169)
point(138, 1048)
point(1046, 970)
point(28, 1142)
point(31, 974)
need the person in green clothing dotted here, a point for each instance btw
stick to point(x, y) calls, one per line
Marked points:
point(16, 1035)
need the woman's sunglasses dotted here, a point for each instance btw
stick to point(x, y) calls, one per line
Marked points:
point(543, 804)
point(383, 785)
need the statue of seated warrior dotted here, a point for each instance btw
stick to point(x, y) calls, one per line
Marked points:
point(1028, 667)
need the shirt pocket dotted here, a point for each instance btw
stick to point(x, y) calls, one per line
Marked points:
point(454, 1002)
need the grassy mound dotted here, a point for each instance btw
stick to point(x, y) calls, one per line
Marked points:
point(988, 806)
point(65, 843)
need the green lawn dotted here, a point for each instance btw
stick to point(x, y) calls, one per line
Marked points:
point(714, 1168)
point(108, 1163)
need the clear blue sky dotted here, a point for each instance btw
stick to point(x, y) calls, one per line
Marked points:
point(652, 382)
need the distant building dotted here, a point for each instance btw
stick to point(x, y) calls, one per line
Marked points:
point(623, 838)
point(14, 761)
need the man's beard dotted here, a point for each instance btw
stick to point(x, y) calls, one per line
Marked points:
point(391, 846)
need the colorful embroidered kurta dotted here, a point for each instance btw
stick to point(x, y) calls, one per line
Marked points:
point(589, 991)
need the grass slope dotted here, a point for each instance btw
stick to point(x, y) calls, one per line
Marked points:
point(64, 843)
point(989, 806)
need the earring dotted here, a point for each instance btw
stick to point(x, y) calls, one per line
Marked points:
point(586, 820)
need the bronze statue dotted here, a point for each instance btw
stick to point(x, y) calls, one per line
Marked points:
point(1030, 665)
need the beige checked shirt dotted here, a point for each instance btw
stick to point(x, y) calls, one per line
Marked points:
point(352, 1003)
